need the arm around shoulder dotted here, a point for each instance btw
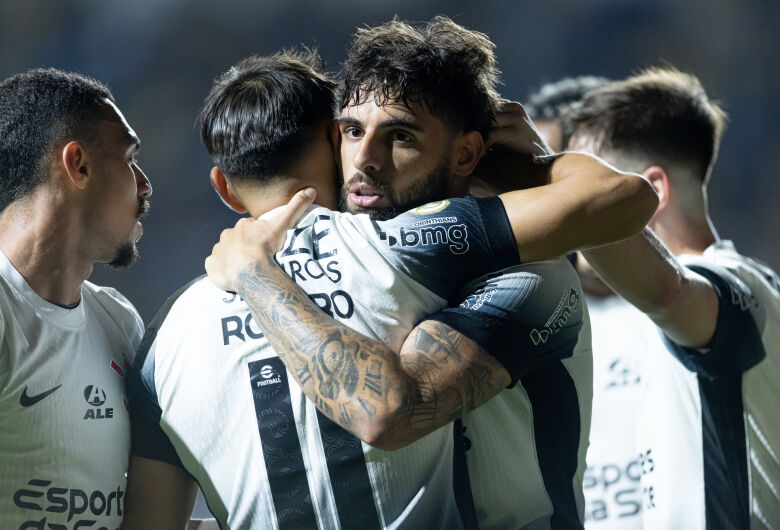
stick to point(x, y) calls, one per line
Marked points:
point(588, 203)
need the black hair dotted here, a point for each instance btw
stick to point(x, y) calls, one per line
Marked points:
point(549, 102)
point(444, 66)
point(39, 109)
point(263, 110)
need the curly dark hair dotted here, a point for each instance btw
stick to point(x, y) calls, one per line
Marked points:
point(38, 109)
point(449, 69)
point(263, 110)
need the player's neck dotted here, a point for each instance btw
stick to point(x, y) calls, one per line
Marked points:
point(44, 245)
point(686, 236)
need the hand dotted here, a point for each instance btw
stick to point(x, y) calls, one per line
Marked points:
point(513, 130)
point(253, 241)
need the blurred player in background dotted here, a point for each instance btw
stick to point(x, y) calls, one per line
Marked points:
point(708, 424)
point(621, 337)
point(71, 195)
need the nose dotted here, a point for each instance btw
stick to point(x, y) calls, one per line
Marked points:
point(144, 186)
point(368, 157)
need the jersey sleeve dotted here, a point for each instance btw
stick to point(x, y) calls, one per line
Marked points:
point(445, 244)
point(736, 345)
point(526, 317)
point(148, 439)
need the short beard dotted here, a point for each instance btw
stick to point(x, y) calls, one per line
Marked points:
point(433, 187)
point(125, 256)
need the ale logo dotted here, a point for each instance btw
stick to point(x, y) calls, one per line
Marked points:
point(94, 395)
point(430, 208)
point(267, 372)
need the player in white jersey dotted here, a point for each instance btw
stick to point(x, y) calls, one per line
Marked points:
point(708, 429)
point(290, 466)
point(622, 336)
point(71, 195)
point(405, 131)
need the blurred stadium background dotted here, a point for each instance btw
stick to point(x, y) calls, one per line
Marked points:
point(159, 58)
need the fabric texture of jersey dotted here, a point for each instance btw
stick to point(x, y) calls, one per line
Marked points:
point(709, 429)
point(526, 446)
point(622, 338)
point(211, 393)
point(65, 439)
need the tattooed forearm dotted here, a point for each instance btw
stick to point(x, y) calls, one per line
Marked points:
point(386, 398)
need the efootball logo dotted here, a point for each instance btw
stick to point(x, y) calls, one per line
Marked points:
point(267, 372)
point(430, 208)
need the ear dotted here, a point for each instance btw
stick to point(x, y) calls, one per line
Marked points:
point(335, 139)
point(468, 148)
point(225, 191)
point(660, 182)
point(74, 162)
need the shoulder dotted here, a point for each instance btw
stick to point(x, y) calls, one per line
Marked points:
point(117, 307)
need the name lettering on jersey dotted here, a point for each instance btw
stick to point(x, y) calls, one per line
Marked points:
point(235, 326)
point(455, 236)
point(612, 491)
point(96, 397)
point(80, 505)
point(319, 248)
point(570, 301)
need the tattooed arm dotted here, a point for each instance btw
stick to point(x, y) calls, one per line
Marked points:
point(386, 399)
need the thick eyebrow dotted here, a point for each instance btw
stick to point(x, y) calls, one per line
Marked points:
point(395, 122)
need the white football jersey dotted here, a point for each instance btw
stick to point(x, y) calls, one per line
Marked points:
point(65, 435)
point(622, 338)
point(209, 392)
point(709, 431)
point(525, 447)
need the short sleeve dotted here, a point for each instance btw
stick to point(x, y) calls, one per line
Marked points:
point(526, 317)
point(445, 244)
point(736, 345)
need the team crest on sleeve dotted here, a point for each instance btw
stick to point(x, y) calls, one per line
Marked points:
point(430, 208)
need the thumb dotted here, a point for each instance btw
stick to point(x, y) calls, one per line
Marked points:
point(297, 206)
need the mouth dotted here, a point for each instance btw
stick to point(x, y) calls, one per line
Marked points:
point(365, 195)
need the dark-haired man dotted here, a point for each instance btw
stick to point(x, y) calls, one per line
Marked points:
point(417, 113)
point(262, 453)
point(71, 194)
point(708, 429)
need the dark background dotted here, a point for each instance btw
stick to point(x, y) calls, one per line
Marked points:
point(159, 58)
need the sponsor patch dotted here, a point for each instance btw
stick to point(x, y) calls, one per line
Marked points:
point(430, 208)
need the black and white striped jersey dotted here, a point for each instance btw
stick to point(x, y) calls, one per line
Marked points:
point(709, 423)
point(209, 393)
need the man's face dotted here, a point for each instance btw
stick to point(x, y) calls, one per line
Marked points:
point(119, 190)
point(393, 158)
